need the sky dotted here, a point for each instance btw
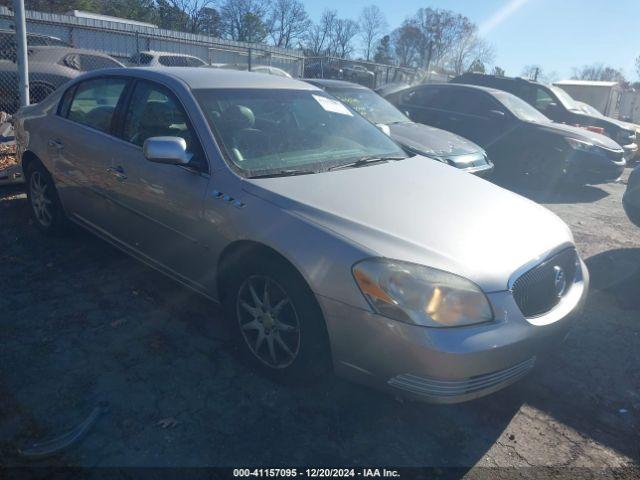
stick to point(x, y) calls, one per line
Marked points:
point(556, 34)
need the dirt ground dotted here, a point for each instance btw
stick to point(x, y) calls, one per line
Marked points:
point(82, 323)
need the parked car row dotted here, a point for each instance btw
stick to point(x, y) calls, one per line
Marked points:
point(52, 63)
point(417, 138)
point(521, 141)
point(557, 105)
point(329, 244)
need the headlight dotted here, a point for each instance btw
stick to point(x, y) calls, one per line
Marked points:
point(421, 295)
point(582, 145)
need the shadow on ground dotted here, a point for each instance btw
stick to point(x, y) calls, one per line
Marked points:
point(561, 194)
point(597, 371)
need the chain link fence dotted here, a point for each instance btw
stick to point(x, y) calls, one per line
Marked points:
point(369, 74)
point(60, 47)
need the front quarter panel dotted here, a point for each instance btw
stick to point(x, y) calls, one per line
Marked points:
point(323, 257)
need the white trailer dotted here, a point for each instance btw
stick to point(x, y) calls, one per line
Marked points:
point(604, 96)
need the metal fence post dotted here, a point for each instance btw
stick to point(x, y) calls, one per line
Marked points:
point(249, 60)
point(21, 59)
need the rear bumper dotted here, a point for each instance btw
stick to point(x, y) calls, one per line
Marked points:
point(447, 365)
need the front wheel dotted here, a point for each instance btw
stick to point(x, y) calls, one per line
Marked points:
point(46, 208)
point(277, 322)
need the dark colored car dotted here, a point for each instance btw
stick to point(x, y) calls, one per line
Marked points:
point(49, 68)
point(416, 138)
point(631, 198)
point(558, 105)
point(521, 141)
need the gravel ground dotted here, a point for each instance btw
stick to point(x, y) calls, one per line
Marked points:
point(82, 323)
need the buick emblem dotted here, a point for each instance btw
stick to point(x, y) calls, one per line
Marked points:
point(560, 280)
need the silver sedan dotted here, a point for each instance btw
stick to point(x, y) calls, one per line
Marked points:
point(328, 246)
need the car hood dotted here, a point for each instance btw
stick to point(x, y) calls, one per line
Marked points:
point(424, 212)
point(607, 123)
point(431, 141)
point(579, 134)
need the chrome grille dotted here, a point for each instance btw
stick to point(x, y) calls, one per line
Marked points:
point(537, 291)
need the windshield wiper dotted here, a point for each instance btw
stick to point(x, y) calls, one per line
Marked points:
point(283, 173)
point(364, 161)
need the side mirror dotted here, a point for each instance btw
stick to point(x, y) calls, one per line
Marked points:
point(497, 114)
point(167, 150)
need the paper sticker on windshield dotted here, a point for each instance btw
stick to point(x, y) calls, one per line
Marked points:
point(331, 105)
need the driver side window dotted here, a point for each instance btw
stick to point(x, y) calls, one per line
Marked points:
point(155, 112)
point(542, 99)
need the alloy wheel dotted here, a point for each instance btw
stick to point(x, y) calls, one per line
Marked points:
point(41, 201)
point(268, 321)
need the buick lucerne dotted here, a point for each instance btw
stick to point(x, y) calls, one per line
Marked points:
point(328, 246)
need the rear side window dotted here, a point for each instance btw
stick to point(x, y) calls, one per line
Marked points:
point(471, 103)
point(141, 59)
point(426, 97)
point(94, 102)
point(87, 63)
point(179, 61)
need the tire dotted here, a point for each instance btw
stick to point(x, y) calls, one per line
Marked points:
point(285, 337)
point(46, 209)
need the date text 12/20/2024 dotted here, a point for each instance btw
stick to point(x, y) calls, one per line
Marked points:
point(316, 472)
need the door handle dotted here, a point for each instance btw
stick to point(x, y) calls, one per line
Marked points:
point(56, 144)
point(117, 172)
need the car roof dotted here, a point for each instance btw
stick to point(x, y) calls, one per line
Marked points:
point(467, 86)
point(211, 78)
point(499, 77)
point(327, 83)
point(173, 54)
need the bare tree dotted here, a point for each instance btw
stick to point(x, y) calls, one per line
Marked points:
point(192, 13)
point(469, 50)
point(600, 72)
point(537, 73)
point(441, 30)
point(372, 25)
point(638, 65)
point(288, 21)
point(407, 41)
point(244, 20)
point(342, 38)
point(318, 38)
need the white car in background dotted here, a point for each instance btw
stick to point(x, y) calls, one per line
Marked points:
point(164, 59)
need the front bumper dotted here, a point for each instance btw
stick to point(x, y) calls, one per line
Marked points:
point(630, 150)
point(447, 365)
point(589, 168)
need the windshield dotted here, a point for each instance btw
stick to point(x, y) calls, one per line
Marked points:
point(520, 108)
point(566, 99)
point(370, 105)
point(265, 131)
point(586, 108)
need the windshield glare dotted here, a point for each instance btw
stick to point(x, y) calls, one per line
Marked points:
point(370, 105)
point(264, 131)
point(520, 108)
point(566, 99)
